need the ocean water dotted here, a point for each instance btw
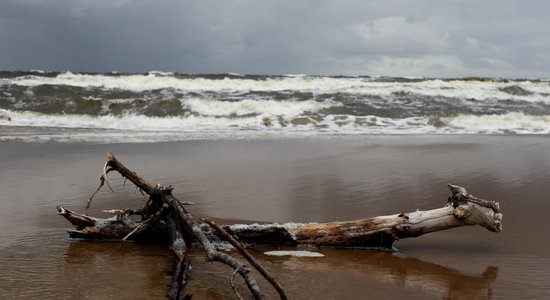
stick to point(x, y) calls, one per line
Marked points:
point(157, 106)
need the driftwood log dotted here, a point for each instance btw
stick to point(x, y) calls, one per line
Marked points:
point(165, 219)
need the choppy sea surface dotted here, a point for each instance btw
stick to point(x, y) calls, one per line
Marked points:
point(158, 106)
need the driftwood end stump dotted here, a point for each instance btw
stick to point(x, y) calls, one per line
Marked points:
point(165, 219)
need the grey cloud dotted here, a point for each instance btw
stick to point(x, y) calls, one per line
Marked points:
point(401, 38)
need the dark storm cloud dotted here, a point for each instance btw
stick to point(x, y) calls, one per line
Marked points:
point(419, 38)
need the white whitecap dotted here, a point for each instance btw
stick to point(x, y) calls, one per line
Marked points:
point(289, 108)
point(505, 123)
point(488, 90)
point(161, 73)
point(271, 122)
point(5, 115)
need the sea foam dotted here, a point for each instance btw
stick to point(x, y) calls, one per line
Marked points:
point(295, 253)
point(535, 91)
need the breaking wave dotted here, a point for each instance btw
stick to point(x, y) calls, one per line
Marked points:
point(181, 106)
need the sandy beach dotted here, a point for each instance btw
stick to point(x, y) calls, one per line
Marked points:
point(301, 180)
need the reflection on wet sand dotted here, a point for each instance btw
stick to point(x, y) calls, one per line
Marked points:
point(100, 268)
point(344, 273)
point(404, 272)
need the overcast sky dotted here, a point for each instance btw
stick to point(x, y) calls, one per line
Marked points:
point(397, 38)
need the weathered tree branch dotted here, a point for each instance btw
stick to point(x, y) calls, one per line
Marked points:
point(180, 228)
point(180, 221)
point(378, 232)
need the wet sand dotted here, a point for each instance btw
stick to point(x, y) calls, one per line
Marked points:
point(284, 180)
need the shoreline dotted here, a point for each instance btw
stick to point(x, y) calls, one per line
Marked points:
point(37, 134)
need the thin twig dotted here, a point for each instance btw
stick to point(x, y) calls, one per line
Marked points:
point(138, 228)
point(232, 282)
point(224, 234)
point(145, 223)
point(105, 175)
point(101, 183)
